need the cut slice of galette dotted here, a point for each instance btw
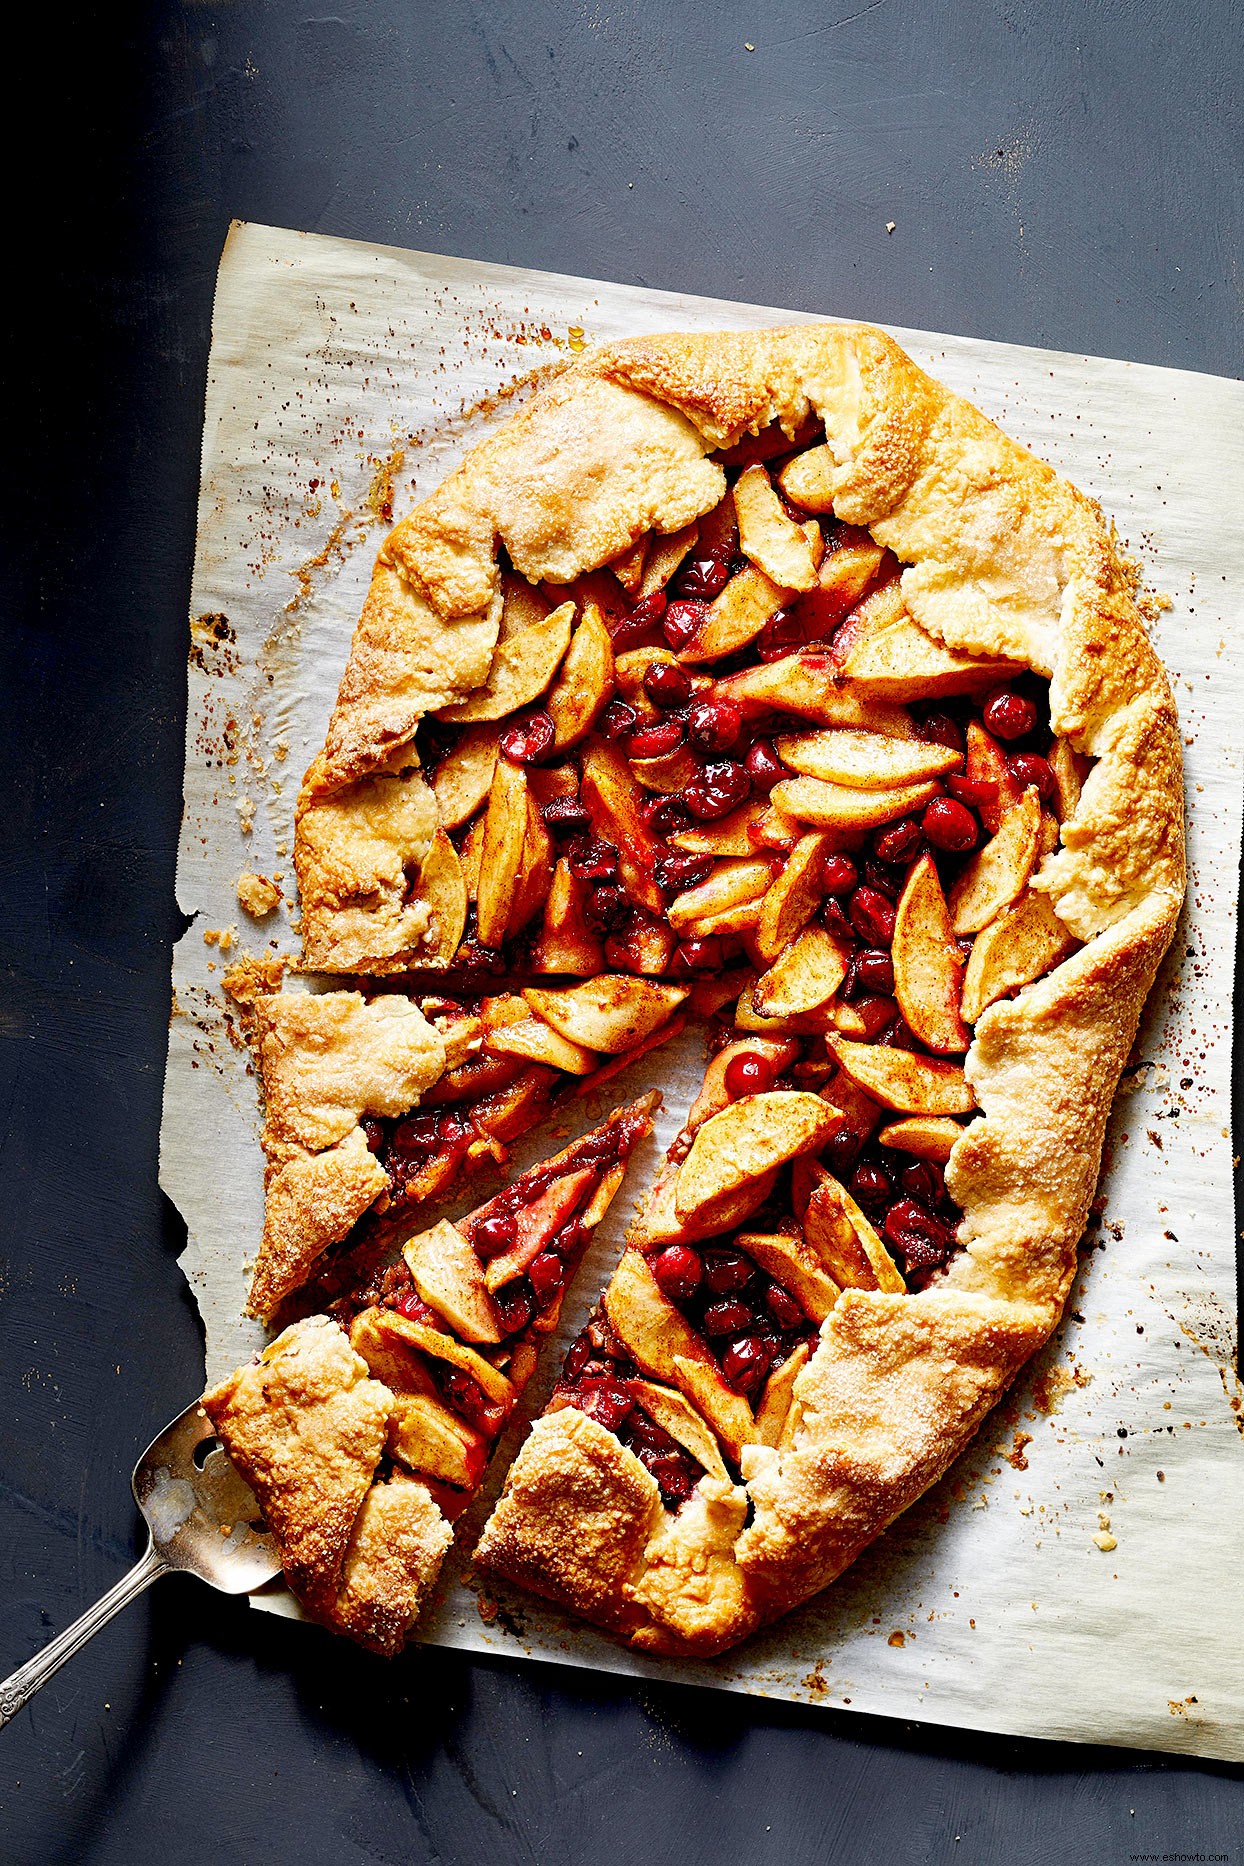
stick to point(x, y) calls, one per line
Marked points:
point(364, 1435)
point(374, 1106)
point(762, 664)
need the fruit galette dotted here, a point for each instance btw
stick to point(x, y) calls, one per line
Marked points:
point(756, 679)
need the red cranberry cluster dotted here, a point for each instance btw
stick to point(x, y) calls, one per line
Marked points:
point(910, 1206)
point(406, 1147)
point(594, 1380)
point(749, 1320)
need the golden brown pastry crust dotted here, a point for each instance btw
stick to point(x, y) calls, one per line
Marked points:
point(1003, 559)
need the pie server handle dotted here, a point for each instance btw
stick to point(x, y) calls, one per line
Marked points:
point(18, 1689)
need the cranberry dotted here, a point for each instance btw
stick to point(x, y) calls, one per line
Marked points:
point(870, 1185)
point(841, 1149)
point(834, 920)
point(415, 1309)
point(878, 1015)
point(941, 729)
point(606, 907)
point(922, 1181)
point(722, 787)
point(898, 842)
point(570, 1238)
point(666, 684)
point(547, 1273)
point(681, 869)
point(1010, 715)
point(373, 1132)
point(923, 1240)
point(630, 630)
point(664, 816)
point(702, 578)
point(565, 816)
point(415, 1137)
point(713, 725)
point(579, 1355)
point(974, 791)
point(1027, 768)
point(874, 970)
point(838, 874)
point(515, 1305)
point(618, 720)
point(727, 1317)
point(655, 741)
point(783, 1307)
point(872, 916)
point(592, 860)
point(682, 622)
point(493, 1235)
point(949, 825)
point(746, 1363)
point(748, 1074)
point(528, 739)
point(781, 635)
point(605, 1401)
point(673, 1472)
point(451, 1129)
point(764, 767)
point(645, 1434)
point(679, 1272)
point(726, 1271)
point(887, 879)
point(697, 955)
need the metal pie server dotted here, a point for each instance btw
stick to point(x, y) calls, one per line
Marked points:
point(202, 1518)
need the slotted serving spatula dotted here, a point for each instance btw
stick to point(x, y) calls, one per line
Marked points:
point(201, 1517)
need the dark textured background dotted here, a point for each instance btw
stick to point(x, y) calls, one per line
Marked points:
point(1058, 174)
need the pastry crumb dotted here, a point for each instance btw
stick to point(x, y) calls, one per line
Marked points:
point(223, 937)
point(257, 894)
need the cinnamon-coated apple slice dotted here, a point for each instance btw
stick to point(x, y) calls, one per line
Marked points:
point(669, 774)
point(837, 806)
point(728, 836)
point(614, 802)
point(1070, 770)
point(675, 1414)
point(431, 1440)
point(731, 883)
point(775, 1401)
point(610, 1013)
point(808, 479)
point(864, 760)
point(791, 1262)
point(522, 667)
point(628, 566)
point(1025, 941)
point(664, 556)
point(537, 1042)
point(843, 1240)
point(501, 855)
point(538, 1222)
point(535, 871)
point(998, 873)
point(986, 764)
point(460, 781)
point(928, 966)
point(927, 1136)
point(882, 648)
point(661, 1223)
point(749, 1138)
point(901, 1080)
point(787, 553)
point(851, 562)
point(566, 943)
point(808, 684)
point(450, 1278)
point(664, 1344)
point(805, 976)
point(584, 683)
point(400, 1331)
point(793, 896)
point(443, 886)
point(737, 616)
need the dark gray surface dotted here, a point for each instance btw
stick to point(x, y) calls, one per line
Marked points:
point(1059, 175)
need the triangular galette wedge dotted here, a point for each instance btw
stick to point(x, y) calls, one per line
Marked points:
point(364, 1435)
point(374, 1106)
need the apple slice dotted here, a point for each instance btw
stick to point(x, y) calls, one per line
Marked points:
point(792, 1263)
point(998, 873)
point(661, 1223)
point(986, 764)
point(747, 1139)
point(522, 667)
point(840, 1237)
point(714, 1095)
point(628, 672)
point(727, 924)
point(748, 1016)
point(670, 773)
point(898, 1079)
point(585, 682)
point(442, 885)
point(505, 833)
point(775, 1402)
point(654, 1332)
point(448, 1275)
point(614, 801)
point(610, 1013)
point(664, 557)
point(460, 781)
point(389, 1358)
point(775, 830)
point(538, 1223)
point(808, 684)
point(731, 884)
point(401, 1331)
point(864, 760)
point(1025, 941)
point(859, 1111)
point(883, 649)
point(729, 1415)
point(628, 566)
point(727, 836)
point(927, 1136)
point(676, 1415)
point(805, 976)
point(851, 563)
point(536, 1041)
point(737, 616)
point(1050, 837)
point(645, 946)
point(836, 806)
point(535, 871)
point(808, 479)
point(566, 942)
point(787, 553)
point(430, 1439)
point(1070, 771)
point(471, 855)
point(792, 898)
point(928, 966)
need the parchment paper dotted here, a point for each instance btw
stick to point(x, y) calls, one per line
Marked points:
point(1077, 1574)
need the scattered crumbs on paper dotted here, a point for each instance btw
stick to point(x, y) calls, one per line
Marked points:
point(257, 894)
